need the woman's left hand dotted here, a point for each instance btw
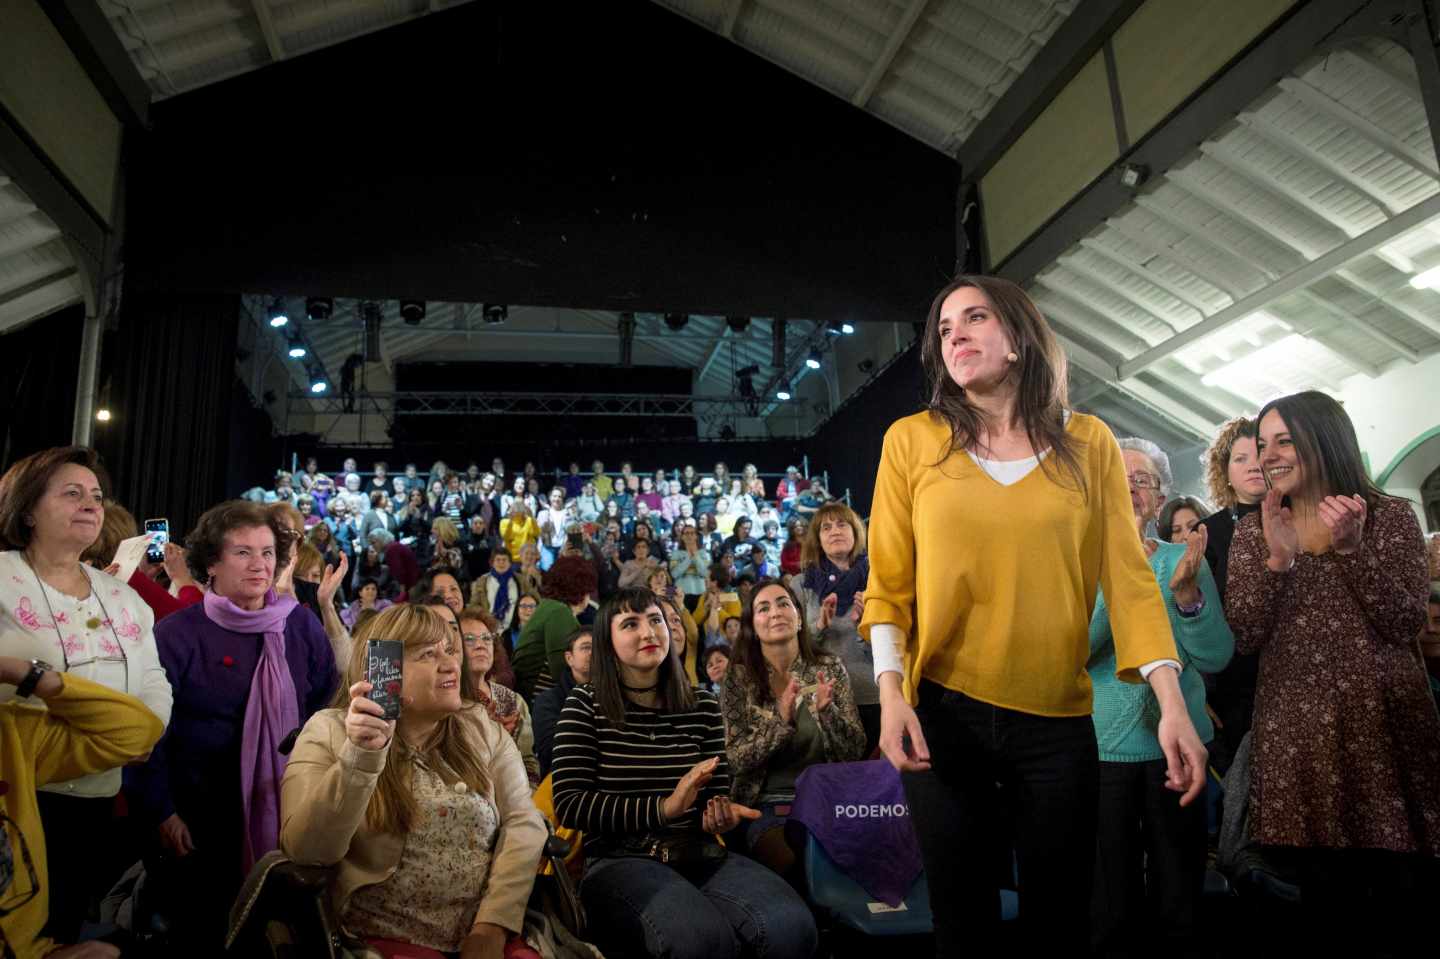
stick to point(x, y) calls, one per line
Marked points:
point(330, 582)
point(824, 692)
point(1185, 755)
point(1344, 517)
point(1182, 583)
point(721, 815)
point(486, 941)
point(857, 607)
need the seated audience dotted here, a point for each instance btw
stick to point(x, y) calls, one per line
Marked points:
point(379, 516)
point(83, 730)
point(85, 623)
point(1178, 517)
point(718, 602)
point(790, 553)
point(684, 635)
point(518, 529)
point(498, 590)
point(428, 817)
point(546, 712)
point(787, 705)
point(811, 500)
point(739, 541)
point(640, 767)
point(635, 572)
point(757, 564)
point(486, 669)
point(715, 662)
point(529, 574)
point(753, 485)
point(1330, 591)
point(524, 609)
point(553, 527)
point(1150, 853)
point(689, 565)
point(540, 651)
point(834, 567)
point(366, 597)
point(249, 667)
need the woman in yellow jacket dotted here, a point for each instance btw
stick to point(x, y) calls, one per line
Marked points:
point(84, 728)
point(998, 515)
point(519, 529)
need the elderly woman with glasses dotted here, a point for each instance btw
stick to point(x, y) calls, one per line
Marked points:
point(484, 657)
point(83, 622)
point(1146, 841)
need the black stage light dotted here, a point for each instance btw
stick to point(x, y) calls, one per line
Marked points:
point(319, 307)
point(676, 321)
point(412, 311)
point(495, 313)
point(737, 324)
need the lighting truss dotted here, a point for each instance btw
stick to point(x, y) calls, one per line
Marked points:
point(436, 403)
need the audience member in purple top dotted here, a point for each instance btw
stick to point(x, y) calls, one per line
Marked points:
point(235, 686)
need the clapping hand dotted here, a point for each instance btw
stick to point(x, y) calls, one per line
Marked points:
point(330, 582)
point(827, 610)
point(687, 790)
point(1344, 517)
point(1182, 583)
point(788, 700)
point(1281, 537)
point(824, 692)
point(721, 815)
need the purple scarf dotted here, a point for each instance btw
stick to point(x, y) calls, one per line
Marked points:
point(272, 712)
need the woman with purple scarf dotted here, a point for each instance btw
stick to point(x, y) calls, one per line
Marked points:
point(831, 585)
point(248, 667)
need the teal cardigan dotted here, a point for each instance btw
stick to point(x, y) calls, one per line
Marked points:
point(1126, 714)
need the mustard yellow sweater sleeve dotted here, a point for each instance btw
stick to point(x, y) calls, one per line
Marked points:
point(890, 591)
point(1138, 617)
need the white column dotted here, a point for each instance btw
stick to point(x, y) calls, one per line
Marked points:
point(83, 431)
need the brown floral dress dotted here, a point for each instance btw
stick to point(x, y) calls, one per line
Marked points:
point(1346, 734)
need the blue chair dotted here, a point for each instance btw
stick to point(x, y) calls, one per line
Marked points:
point(848, 904)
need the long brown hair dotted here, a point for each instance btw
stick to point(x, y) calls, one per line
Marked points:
point(1041, 370)
point(750, 655)
point(1326, 445)
point(393, 808)
point(811, 552)
point(676, 695)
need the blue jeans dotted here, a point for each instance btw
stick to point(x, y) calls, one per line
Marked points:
point(994, 770)
point(731, 908)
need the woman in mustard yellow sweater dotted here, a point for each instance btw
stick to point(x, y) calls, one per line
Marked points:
point(997, 515)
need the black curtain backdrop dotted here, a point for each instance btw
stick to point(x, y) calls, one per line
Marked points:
point(849, 443)
point(171, 365)
point(39, 366)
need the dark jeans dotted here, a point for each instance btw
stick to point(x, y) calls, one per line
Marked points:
point(84, 846)
point(1048, 769)
point(870, 719)
point(731, 908)
point(1149, 862)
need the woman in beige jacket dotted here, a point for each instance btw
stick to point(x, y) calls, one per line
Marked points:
point(428, 817)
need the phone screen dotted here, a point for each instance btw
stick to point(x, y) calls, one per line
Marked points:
point(159, 532)
point(384, 671)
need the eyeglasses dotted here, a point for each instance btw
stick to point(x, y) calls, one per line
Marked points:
point(1143, 480)
point(475, 639)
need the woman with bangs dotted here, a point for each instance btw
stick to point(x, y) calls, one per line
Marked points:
point(428, 817)
point(639, 765)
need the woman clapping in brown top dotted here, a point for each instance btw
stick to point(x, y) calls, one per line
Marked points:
point(1328, 584)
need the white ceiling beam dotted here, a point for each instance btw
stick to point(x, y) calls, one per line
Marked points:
point(1073, 263)
point(1238, 166)
point(1184, 261)
point(1247, 216)
point(1322, 305)
point(1135, 337)
point(893, 45)
point(1172, 410)
point(714, 353)
point(267, 28)
point(1362, 125)
point(1149, 276)
point(1242, 264)
point(1084, 319)
point(1285, 140)
point(1294, 280)
point(732, 17)
point(1382, 297)
point(1391, 77)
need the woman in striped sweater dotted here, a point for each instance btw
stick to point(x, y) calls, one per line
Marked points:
point(639, 766)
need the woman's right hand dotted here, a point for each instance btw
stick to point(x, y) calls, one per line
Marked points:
point(365, 722)
point(827, 610)
point(788, 698)
point(175, 836)
point(687, 790)
point(898, 720)
point(1278, 525)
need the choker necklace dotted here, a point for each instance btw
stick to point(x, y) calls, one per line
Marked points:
point(640, 689)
